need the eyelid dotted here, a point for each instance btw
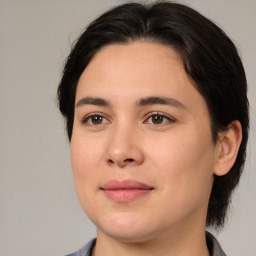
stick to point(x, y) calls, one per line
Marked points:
point(86, 117)
point(170, 118)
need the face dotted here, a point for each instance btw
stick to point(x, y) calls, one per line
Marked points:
point(141, 149)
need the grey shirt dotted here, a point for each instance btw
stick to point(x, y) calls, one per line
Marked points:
point(212, 243)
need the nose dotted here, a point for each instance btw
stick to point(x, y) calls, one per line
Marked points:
point(124, 148)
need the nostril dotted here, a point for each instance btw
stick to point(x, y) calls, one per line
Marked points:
point(120, 162)
point(110, 161)
point(129, 160)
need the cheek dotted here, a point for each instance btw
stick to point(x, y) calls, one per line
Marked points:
point(180, 150)
point(85, 156)
point(184, 179)
point(184, 163)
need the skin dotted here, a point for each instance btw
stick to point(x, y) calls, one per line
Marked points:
point(175, 156)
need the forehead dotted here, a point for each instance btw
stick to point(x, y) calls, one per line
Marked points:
point(141, 69)
point(132, 65)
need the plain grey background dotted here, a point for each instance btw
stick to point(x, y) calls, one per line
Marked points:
point(40, 214)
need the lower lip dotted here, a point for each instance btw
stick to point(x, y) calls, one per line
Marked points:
point(126, 195)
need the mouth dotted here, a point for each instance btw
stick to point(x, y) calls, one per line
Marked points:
point(126, 190)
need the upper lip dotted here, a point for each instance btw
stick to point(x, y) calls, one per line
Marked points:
point(125, 185)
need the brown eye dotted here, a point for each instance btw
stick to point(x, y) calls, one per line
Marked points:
point(157, 119)
point(95, 120)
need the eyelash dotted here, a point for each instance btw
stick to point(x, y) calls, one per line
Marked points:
point(162, 116)
point(86, 119)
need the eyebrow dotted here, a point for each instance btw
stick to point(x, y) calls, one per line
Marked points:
point(152, 100)
point(92, 101)
point(160, 100)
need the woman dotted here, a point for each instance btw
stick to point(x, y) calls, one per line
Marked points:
point(154, 98)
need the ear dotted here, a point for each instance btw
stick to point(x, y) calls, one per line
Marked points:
point(227, 148)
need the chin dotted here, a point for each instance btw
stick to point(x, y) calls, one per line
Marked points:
point(126, 228)
point(128, 235)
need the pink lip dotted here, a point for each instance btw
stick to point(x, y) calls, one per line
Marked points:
point(126, 190)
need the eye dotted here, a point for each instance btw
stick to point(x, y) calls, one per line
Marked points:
point(159, 119)
point(95, 119)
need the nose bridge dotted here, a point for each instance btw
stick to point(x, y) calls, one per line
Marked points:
point(123, 145)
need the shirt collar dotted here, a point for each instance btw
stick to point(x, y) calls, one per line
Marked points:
point(213, 245)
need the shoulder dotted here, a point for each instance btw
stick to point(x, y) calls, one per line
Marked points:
point(214, 245)
point(86, 250)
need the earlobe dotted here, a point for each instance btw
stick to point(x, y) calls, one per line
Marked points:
point(229, 143)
